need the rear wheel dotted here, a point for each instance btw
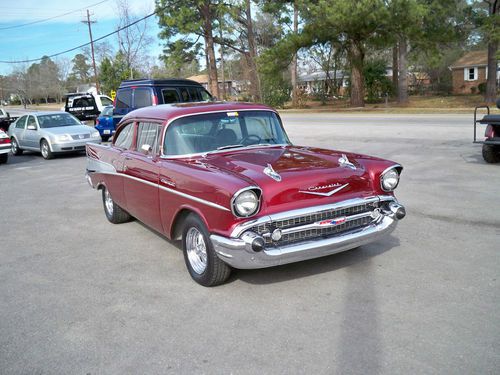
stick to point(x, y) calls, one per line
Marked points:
point(15, 147)
point(45, 150)
point(114, 213)
point(202, 262)
point(4, 158)
point(491, 154)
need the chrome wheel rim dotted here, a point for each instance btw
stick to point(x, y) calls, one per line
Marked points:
point(14, 146)
point(108, 202)
point(45, 149)
point(196, 250)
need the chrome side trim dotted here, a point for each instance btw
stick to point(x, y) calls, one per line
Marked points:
point(191, 197)
point(239, 229)
point(99, 166)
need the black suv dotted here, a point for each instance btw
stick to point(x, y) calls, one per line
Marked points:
point(138, 93)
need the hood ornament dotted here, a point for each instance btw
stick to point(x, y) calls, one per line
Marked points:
point(269, 171)
point(313, 190)
point(344, 162)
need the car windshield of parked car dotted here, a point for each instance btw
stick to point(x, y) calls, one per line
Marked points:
point(57, 120)
point(107, 111)
point(223, 130)
point(106, 101)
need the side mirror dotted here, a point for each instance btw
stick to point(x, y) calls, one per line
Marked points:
point(31, 127)
point(146, 149)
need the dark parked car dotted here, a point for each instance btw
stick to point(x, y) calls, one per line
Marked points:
point(138, 93)
point(491, 143)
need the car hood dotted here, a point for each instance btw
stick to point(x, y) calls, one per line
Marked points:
point(309, 176)
point(75, 129)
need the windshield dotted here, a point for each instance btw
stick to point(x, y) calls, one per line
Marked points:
point(107, 111)
point(106, 101)
point(56, 120)
point(217, 131)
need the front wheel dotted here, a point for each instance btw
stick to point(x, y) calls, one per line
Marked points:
point(15, 147)
point(202, 262)
point(114, 213)
point(491, 154)
point(45, 150)
point(4, 158)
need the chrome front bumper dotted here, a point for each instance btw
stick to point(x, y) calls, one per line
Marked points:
point(238, 252)
point(73, 145)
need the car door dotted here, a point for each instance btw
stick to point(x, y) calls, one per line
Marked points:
point(31, 137)
point(121, 146)
point(142, 170)
point(17, 130)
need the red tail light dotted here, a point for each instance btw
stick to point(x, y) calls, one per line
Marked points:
point(490, 132)
point(97, 121)
point(4, 140)
point(155, 100)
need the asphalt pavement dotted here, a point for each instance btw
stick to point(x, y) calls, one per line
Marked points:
point(79, 295)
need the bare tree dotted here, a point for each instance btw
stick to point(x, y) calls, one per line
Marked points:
point(135, 40)
point(493, 40)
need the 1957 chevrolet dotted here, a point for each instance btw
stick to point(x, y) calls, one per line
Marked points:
point(225, 179)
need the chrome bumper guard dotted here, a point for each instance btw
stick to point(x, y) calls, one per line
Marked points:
point(239, 252)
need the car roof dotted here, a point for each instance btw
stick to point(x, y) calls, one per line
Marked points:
point(158, 82)
point(168, 112)
point(40, 113)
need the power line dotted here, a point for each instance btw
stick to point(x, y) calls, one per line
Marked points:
point(83, 45)
point(51, 18)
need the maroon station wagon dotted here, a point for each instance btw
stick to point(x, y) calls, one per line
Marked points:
point(225, 179)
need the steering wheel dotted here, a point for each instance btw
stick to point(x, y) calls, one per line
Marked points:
point(248, 140)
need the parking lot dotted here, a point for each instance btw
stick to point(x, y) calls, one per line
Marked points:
point(79, 295)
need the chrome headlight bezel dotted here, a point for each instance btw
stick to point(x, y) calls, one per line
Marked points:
point(63, 138)
point(251, 192)
point(389, 178)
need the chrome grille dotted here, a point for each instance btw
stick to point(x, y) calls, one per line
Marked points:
point(77, 137)
point(311, 233)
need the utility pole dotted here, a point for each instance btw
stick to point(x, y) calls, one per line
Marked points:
point(88, 22)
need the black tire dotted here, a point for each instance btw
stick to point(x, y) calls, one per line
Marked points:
point(45, 150)
point(491, 154)
point(216, 271)
point(15, 147)
point(114, 213)
point(4, 158)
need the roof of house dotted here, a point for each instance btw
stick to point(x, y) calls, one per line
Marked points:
point(203, 78)
point(470, 59)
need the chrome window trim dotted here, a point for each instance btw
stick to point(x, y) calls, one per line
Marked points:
point(240, 228)
point(387, 170)
point(241, 191)
point(216, 151)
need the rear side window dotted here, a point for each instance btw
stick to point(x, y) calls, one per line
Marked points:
point(142, 98)
point(21, 122)
point(184, 94)
point(124, 98)
point(170, 96)
point(194, 93)
point(147, 134)
point(31, 121)
point(124, 138)
point(205, 96)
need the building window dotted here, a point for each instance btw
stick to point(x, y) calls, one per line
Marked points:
point(471, 74)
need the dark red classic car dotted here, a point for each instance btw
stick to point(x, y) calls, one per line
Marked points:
point(225, 179)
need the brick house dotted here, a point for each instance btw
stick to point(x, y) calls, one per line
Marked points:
point(469, 71)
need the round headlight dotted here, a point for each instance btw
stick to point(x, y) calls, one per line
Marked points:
point(245, 203)
point(389, 180)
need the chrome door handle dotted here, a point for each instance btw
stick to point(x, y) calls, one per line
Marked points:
point(167, 181)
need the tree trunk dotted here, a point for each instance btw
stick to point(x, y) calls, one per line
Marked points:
point(357, 57)
point(294, 59)
point(255, 90)
point(223, 77)
point(403, 72)
point(395, 69)
point(491, 82)
point(213, 82)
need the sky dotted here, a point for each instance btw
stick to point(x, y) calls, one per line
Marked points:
point(63, 32)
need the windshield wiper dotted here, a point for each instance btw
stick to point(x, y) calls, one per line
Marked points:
point(229, 146)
